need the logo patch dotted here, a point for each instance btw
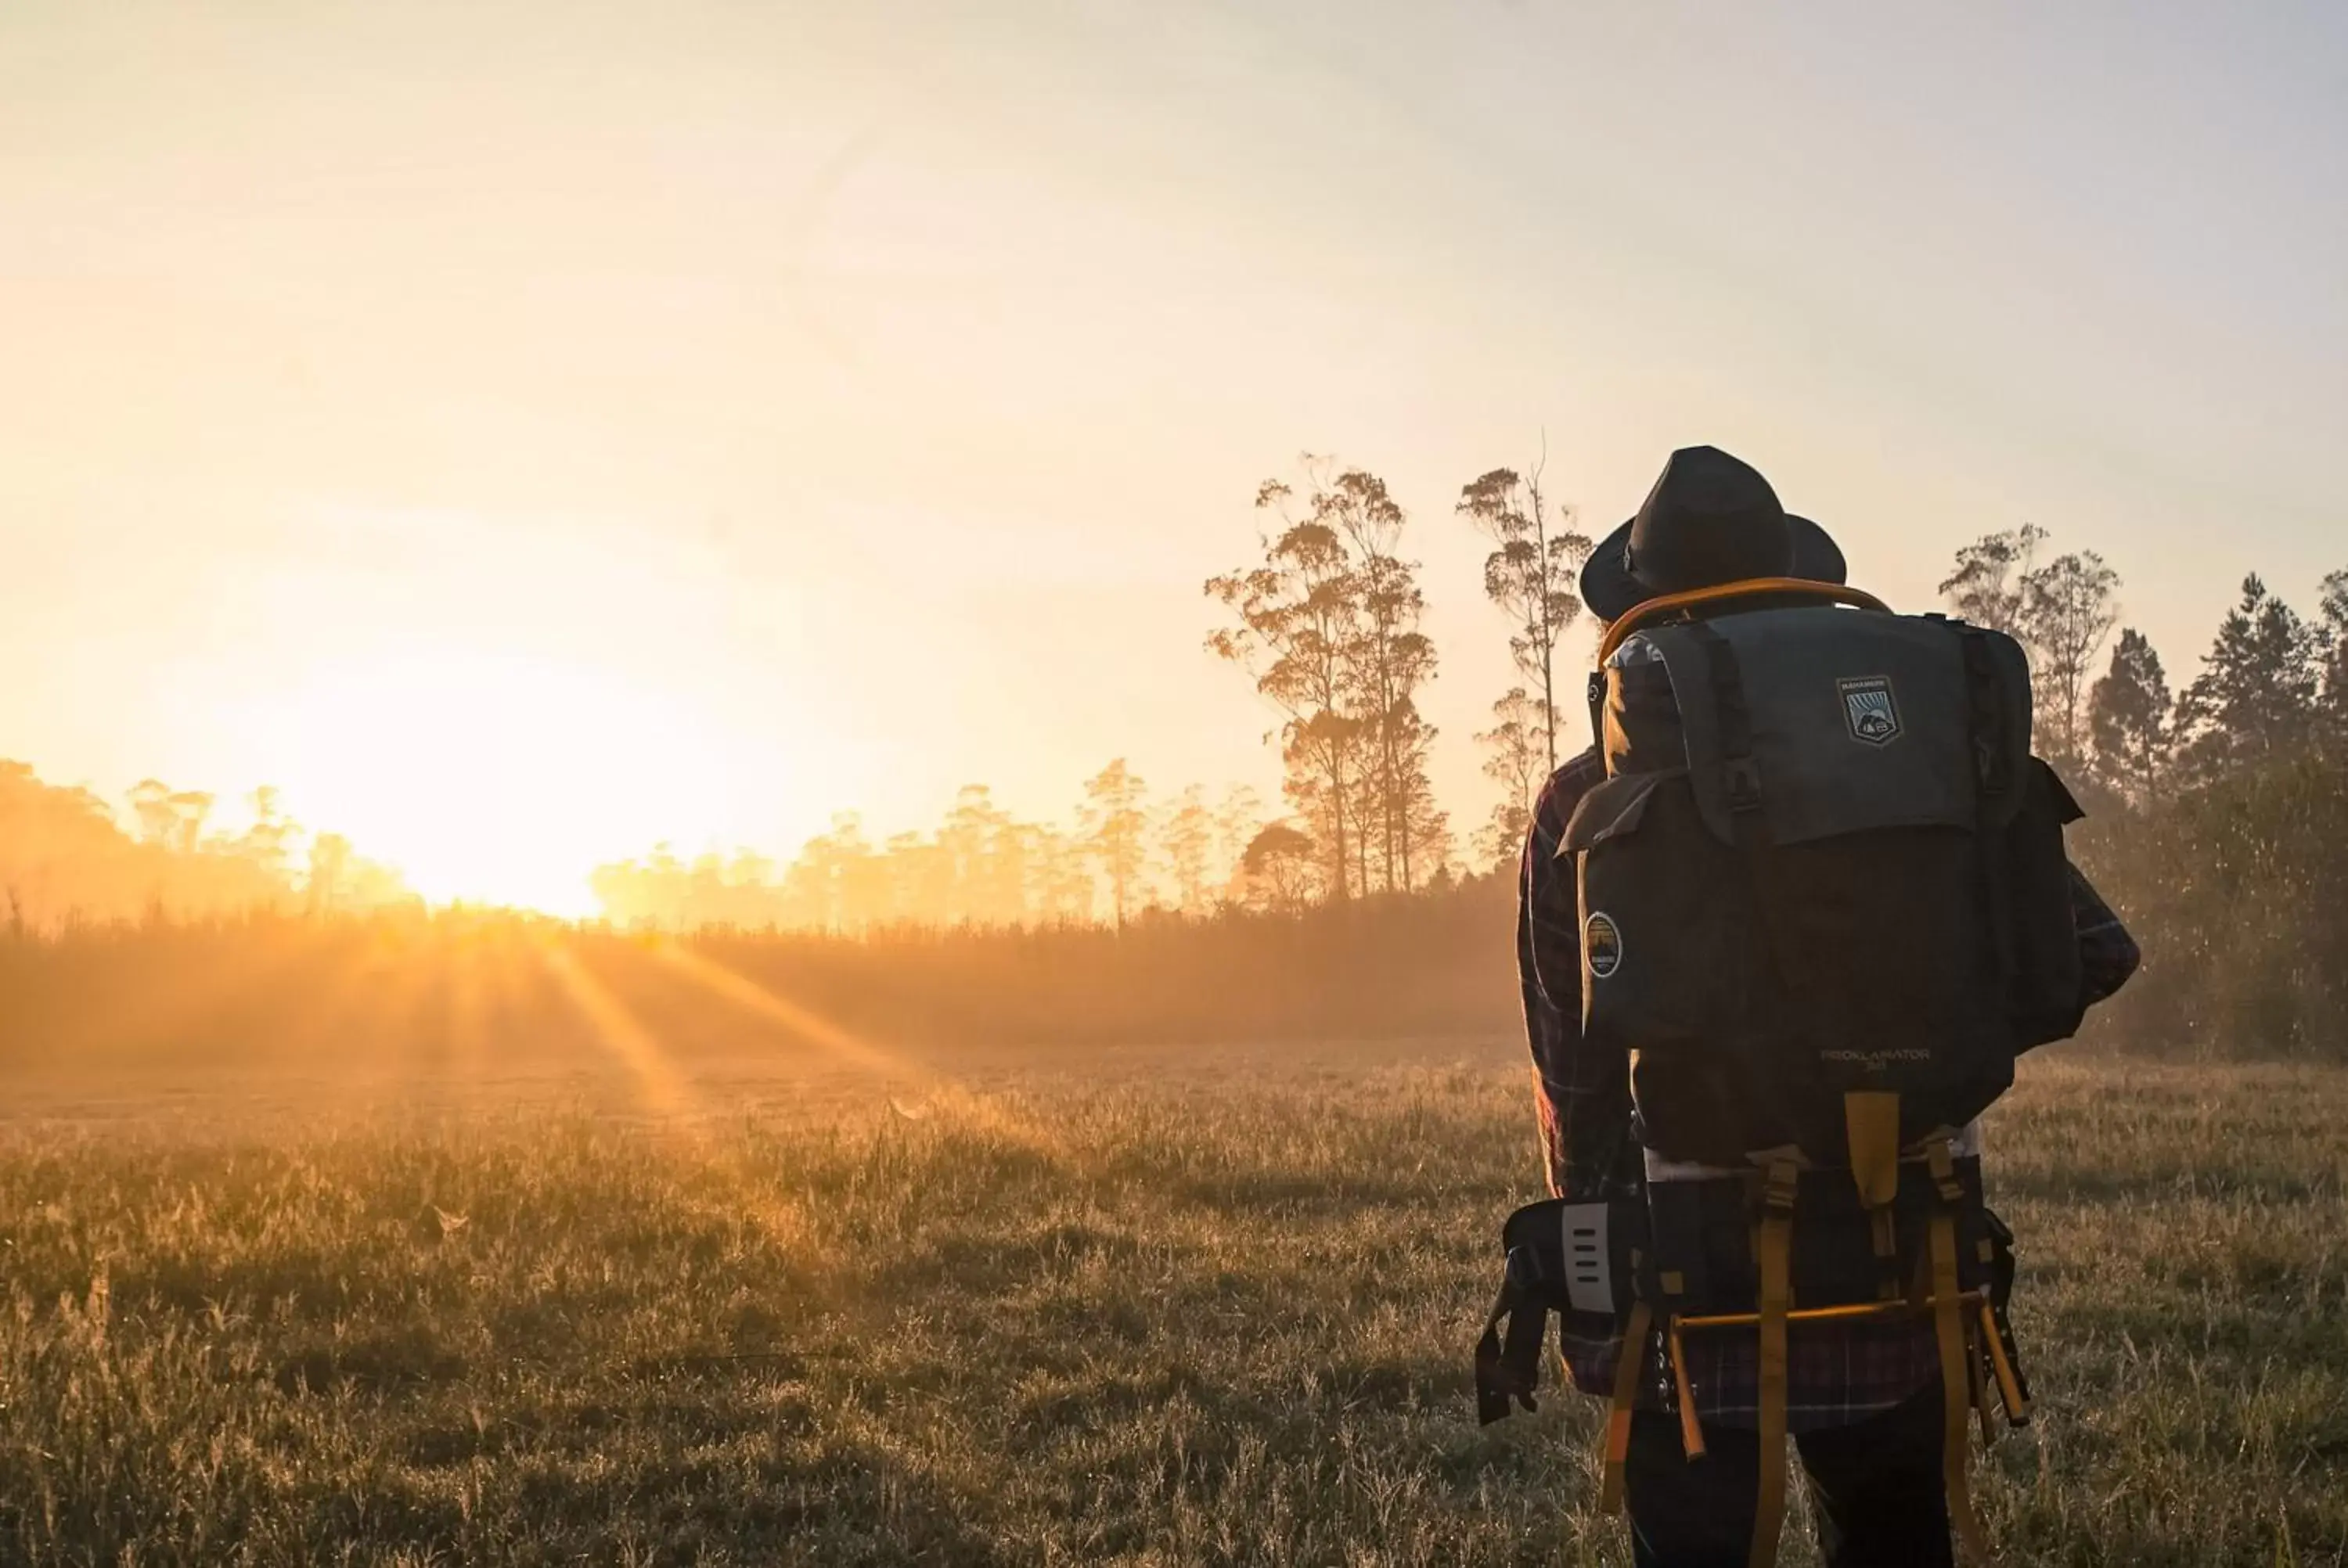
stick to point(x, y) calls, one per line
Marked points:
point(1869, 710)
point(1601, 945)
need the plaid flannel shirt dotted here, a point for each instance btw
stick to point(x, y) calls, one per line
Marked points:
point(1836, 1373)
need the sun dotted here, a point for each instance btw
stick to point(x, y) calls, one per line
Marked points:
point(490, 776)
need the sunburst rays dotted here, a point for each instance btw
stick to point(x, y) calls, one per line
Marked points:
point(667, 1092)
point(844, 1047)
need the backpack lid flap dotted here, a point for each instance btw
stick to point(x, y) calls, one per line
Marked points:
point(1858, 720)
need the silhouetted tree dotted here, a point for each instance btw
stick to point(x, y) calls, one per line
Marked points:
point(920, 880)
point(964, 841)
point(1532, 575)
point(1280, 869)
point(1516, 759)
point(1985, 586)
point(2332, 625)
point(2256, 695)
point(2060, 611)
point(990, 853)
point(1060, 870)
point(1431, 845)
point(1298, 622)
point(2066, 612)
point(1115, 825)
point(1186, 837)
point(268, 843)
point(1386, 664)
point(836, 882)
point(190, 809)
point(2128, 719)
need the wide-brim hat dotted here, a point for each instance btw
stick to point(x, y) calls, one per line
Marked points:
point(1711, 518)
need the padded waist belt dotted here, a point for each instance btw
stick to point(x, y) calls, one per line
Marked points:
point(1581, 1259)
point(1705, 1243)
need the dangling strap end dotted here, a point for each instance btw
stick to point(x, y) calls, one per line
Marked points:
point(1777, 1246)
point(1628, 1366)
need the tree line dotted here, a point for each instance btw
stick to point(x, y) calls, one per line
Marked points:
point(2218, 809)
point(2218, 825)
point(1124, 852)
point(67, 856)
point(2273, 684)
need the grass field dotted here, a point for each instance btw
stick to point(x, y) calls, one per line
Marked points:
point(1141, 1307)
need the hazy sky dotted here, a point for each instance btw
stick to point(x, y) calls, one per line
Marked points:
point(524, 432)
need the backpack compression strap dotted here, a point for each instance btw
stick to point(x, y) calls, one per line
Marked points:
point(1949, 1330)
point(1777, 1297)
point(1871, 1123)
point(1959, 1390)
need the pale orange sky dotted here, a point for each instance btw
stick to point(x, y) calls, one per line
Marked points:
point(525, 432)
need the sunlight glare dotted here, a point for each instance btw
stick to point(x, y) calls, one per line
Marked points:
point(491, 776)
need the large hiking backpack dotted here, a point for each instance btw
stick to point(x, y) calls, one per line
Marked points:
point(1824, 906)
point(1823, 861)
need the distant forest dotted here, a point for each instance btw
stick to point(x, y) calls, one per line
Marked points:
point(68, 859)
point(2218, 818)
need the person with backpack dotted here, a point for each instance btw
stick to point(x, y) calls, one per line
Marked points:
point(1782, 932)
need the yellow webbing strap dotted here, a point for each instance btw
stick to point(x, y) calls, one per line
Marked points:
point(1682, 1390)
point(1776, 1259)
point(1872, 1121)
point(1627, 1366)
point(1949, 1329)
point(2009, 1379)
point(1977, 1373)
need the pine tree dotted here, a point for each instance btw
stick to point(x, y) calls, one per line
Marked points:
point(2255, 699)
point(2128, 719)
point(2332, 628)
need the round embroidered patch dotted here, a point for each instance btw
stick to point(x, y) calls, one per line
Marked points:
point(1602, 944)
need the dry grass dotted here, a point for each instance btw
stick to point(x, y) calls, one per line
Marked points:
point(1147, 1309)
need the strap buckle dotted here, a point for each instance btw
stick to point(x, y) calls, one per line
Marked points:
point(1941, 1162)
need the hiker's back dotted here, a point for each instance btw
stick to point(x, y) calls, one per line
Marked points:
point(1818, 904)
point(1824, 862)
